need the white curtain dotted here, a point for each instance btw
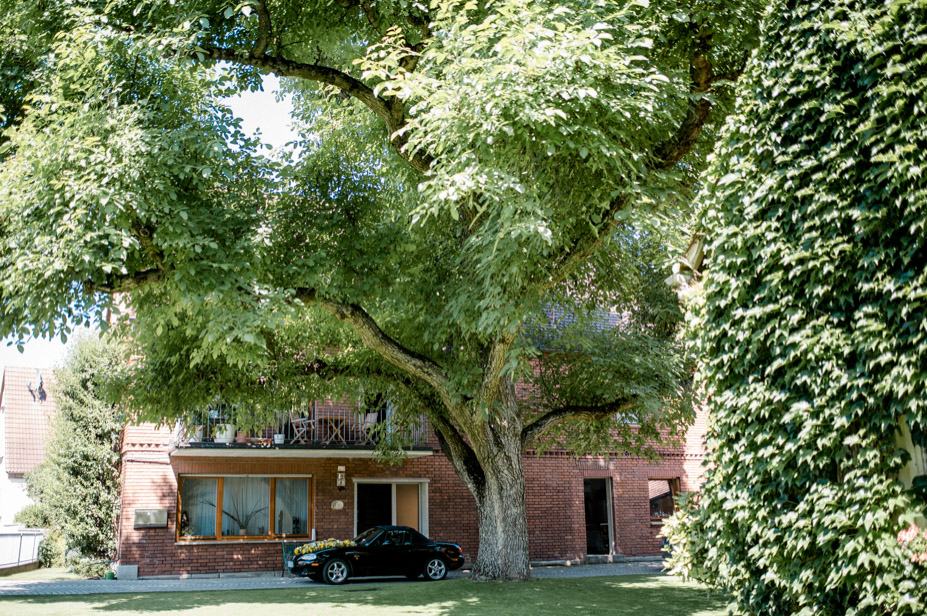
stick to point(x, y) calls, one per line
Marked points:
point(292, 507)
point(245, 502)
point(198, 507)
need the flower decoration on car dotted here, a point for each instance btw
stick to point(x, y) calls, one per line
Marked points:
point(324, 544)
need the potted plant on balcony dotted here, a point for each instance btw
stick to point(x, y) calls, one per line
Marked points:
point(194, 429)
point(225, 433)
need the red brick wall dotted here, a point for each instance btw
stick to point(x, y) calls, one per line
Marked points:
point(554, 494)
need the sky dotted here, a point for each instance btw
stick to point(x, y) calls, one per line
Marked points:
point(258, 111)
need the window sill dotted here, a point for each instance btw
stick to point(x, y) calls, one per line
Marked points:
point(656, 522)
point(237, 541)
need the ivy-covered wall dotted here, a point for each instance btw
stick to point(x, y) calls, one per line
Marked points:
point(811, 329)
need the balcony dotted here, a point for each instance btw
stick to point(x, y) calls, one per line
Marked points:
point(318, 430)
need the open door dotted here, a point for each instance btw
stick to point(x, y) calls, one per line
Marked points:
point(597, 497)
point(383, 501)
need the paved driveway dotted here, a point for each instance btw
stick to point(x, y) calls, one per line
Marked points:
point(90, 587)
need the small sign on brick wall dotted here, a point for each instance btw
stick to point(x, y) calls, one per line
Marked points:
point(150, 518)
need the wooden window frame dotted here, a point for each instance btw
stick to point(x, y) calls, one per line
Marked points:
point(272, 514)
point(675, 488)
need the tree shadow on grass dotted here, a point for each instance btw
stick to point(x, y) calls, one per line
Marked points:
point(612, 596)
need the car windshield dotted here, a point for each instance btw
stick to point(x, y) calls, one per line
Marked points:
point(367, 536)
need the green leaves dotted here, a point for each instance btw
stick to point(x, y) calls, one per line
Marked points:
point(111, 175)
point(811, 331)
point(540, 117)
point(77, 486)
point(537, 123)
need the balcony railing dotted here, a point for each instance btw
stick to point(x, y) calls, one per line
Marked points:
point(318, 426)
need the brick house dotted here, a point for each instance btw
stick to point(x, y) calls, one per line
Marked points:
point(321, 481)
point(26, 408)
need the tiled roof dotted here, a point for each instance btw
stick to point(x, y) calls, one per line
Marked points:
point(28, 403)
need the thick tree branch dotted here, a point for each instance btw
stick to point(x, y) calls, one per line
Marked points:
point(376, 340)
point(390, 111)
point(312, 72)
point(665, 156)
point(265, 30)
point(493, 364)
point(125, 283)
point(459, 452)
point(451, 441)
point(671, 151)
point(534, 430)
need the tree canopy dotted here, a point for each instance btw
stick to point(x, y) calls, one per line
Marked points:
point(468, 175)
point(812, 327)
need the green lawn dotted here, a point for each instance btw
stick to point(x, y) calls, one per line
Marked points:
point(50, 574)
point(639, 595)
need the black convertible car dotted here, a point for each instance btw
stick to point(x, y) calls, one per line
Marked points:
point(381, 550)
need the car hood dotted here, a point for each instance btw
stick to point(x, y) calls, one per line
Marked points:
point(447, 544)
point(323, 553)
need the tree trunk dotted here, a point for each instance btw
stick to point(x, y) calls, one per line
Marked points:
point(489, 462)
point(500, 496)
point(503, 519)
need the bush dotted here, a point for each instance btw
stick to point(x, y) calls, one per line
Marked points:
point(33, 516)
point(88, 567)
point(51, 550)
point(813, 322)
point(685, 557)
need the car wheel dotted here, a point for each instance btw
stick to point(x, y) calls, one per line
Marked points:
point(435, 569)
point(335, 571)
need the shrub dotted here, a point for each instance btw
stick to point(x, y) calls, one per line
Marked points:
point(51, 550)
point(87, 567)
point(33, 516)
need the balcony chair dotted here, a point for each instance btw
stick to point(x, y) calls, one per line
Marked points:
point(370, 420)
point(301, 425)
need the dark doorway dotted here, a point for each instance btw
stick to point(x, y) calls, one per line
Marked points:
point(596, 497)
point(374, 505)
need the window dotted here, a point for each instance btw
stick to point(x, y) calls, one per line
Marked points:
point(662, 492)
point(217, 508)
point(198, 516)
point(396, 537)
point(292, 506)
point(245, 504)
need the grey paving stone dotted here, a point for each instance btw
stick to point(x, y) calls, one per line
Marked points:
point(199, 584)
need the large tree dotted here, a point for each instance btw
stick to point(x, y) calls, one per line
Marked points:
point(813, 321)
point(477, 186)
